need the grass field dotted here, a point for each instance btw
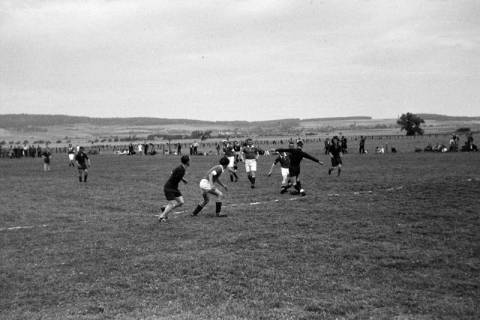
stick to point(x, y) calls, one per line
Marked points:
point(396, 236)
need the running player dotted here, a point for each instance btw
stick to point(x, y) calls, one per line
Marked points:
point(284, 160)
point(83, 163)
point(250, 155)
point(335, 153)
point(207, 185)
point(170, 189)
point(229, 151)
point(296, 156)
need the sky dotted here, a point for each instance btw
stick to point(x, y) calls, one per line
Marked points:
point(240, 59)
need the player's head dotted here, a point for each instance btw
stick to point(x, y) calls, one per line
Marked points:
point(249, 141)
point(224, 161)
point(185, 160)
point(291, 144)
point(81, 148)
point(299, 144)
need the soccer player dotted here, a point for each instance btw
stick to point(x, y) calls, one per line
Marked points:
point(284, 160)
point(170, 189)
point(230, 154)
point(46, 155)
point(250, 155)
point(296, 156)
point(83, 163)
point(335, 153)
point(71, 155)
point(207, 185)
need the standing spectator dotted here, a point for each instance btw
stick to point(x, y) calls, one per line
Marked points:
point(195, 148)
point(470, 145)
point(343, 143)
point(179, 149)
point(361, 148)
point(327, 145)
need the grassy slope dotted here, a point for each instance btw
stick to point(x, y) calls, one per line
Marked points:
point(409, 248)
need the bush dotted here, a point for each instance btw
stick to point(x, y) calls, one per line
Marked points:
point(463, 130)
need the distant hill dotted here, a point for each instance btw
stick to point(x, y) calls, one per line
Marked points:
point(440, 117)
point(18, 121)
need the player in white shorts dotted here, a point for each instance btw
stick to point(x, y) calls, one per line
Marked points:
point(230, 154)
point(71, 155)
point(207, 185)
point(284, 160)
point(250, 155)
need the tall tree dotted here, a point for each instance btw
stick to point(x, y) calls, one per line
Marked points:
point(411, 124)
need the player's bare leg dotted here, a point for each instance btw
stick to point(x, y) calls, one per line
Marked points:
point(178, 202)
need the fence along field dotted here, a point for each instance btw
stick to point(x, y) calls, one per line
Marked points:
point(395, 236)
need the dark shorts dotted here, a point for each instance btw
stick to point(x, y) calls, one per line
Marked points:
point(336, 161)
point(171, 194)
point(294, 171)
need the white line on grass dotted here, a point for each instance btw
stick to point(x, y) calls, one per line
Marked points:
point(232, 205)
point(23, 227)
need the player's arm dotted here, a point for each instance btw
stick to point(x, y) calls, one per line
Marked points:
point(273, 165)
point(306, 155)
point(271, 169)
point(285, 150)
point(222, 185)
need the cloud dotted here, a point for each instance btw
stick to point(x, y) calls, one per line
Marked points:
point(178, 57)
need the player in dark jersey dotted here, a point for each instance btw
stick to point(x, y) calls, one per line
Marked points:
point(207, 185)
point(296, 156)
point(335, 153)
point(250, 155)
point(229, 151)
point(284, 160)
point(47, 156)
point(83, 163)
point(172, 194)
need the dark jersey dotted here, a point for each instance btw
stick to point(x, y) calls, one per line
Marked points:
point(296, 156)
point(71, 150)
point(335, 150)
point(284, 159)
point(81, 158)
point(175, 177)
point(229, 152)
point(250, 152)
point(46, 156)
